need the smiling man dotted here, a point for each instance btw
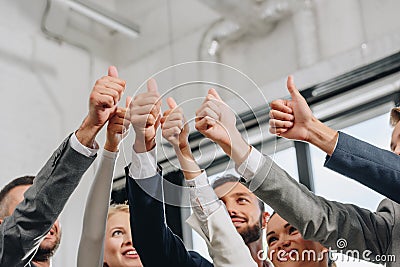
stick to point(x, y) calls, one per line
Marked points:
point(10, 196)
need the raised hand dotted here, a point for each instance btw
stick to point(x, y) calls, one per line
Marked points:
point(216, 121)
point(174, 127)
point(176, 131)
point(290, 118)
point(293, 119)
point(117, 128)
point(102, 104)
point(145, 115)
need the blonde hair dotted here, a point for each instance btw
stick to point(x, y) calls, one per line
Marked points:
point(115, 208)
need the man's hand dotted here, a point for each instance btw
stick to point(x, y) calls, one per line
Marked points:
point(293, 119)
point(117, 128)
point(216, 121)
point(102, 104)
point(145, 115)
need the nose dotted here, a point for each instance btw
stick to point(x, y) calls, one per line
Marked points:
point(283, 244)
point(128, 240)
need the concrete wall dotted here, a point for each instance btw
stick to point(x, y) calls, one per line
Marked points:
point(45, 84)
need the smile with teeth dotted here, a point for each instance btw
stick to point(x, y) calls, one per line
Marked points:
point(132, 252)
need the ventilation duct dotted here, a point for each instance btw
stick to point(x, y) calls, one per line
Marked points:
point(257, 18)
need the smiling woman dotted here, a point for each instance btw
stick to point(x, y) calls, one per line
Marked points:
point(286, 246)
point(118, 247)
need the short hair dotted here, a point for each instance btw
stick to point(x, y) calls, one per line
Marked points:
point(394, 116)
point(115, 208)
point(4, 200)
point(230, 178)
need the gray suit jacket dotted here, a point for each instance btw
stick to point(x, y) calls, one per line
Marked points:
point(21, 233)
point(372, 233)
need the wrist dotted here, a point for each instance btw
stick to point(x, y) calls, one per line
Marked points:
point(111, 146)
point(86, 134)
point(141, 145)
point(322, 136)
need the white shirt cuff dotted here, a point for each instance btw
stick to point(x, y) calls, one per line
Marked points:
point(251, 165)
point(144, 165)
point(78, 147)
point(109, 154)
point(203, 199)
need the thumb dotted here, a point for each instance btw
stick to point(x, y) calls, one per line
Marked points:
point(171, 103)
point(214, 93)
point(292, 87)
point(112, 72)
point(128, 101)
point(152, 85)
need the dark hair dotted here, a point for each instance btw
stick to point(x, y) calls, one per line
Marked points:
point(227, 178)
point(24, 180)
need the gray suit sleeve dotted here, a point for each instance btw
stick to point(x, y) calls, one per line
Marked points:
point(376, 168)
point(21, 233)
point(322, 220)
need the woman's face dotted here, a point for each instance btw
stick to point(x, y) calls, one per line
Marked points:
point(118, 248)
point(286, 246)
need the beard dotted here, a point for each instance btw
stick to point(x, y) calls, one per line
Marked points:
point(251, 233)
point(46, 250)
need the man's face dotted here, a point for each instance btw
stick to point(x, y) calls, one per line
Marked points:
point(244, 210)
point(395, 142)
point(51, 241)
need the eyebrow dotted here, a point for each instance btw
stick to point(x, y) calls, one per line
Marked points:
point(272, 232)
point(241, 194)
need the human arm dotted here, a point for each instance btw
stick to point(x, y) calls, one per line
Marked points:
point(210, 218)
point(316, 218)
point(91, 245)
point(22, 232)
point(374, 167)
point(156, 244)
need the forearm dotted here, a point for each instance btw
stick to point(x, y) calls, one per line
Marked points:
point(316, 218)
point(43, 203)
point(87, 132)
point(189, 166)
point(236, 147)
point(376, 168)
point(95, 217)
point(154, 241)
point(322, 136)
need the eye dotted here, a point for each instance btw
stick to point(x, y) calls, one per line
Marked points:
point(116, 233)
point(293, 230)
point(272, 240)
point(242, 200)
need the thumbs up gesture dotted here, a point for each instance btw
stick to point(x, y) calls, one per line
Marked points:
point(174, 126)
point(145, 115)
point(216, 120)
point(102, 105)
point(291, 118)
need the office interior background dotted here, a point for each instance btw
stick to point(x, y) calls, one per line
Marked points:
point(344, 55)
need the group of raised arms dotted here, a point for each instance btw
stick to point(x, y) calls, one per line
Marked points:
point(228, 214)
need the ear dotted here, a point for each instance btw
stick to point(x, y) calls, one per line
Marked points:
point(1, 221)
point(265, 218)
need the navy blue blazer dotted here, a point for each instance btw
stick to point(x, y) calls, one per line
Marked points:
point(376, 168)
point(156, 244)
